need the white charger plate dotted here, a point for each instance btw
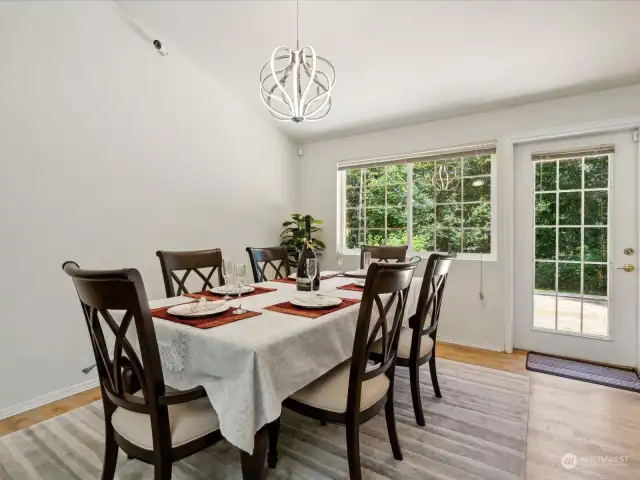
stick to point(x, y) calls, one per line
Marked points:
point(211, 308)
point(233, 290)
point(318, 302)
point(356, 273)
point(359, 283)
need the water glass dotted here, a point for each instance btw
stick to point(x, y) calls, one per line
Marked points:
point(227, 274)
point(339, 258)
point(366, 260)
point(312, 270)
point(239, 275)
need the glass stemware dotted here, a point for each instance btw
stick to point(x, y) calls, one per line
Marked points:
point(227, 274)
point(366, 260)
point(239, 275)
point(339, 257)
point(312, 270)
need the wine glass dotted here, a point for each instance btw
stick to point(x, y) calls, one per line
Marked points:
point(239, 274)
point(339, 257)
point(312, 270)
point(366, 260)
point(227, 274)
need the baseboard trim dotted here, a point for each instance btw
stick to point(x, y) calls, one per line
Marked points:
point(48, 398)
point(468, 343)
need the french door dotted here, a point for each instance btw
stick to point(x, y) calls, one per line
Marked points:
point(576, 247)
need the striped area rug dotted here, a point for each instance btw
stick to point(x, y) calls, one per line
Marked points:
point(477, 431)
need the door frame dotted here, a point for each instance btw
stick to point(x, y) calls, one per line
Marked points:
point(508, 150)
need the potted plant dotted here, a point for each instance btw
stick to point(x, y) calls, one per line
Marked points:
point(293, 237)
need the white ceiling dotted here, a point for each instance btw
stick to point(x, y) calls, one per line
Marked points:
point(402, 62)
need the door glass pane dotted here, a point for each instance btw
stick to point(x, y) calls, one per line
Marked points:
point(571, 245)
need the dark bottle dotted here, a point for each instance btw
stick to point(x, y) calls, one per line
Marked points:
point(302, 279)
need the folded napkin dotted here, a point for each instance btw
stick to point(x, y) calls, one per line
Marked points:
point(352, 287)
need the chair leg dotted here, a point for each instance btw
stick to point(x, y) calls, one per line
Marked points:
point(110, 453)
point(162, 467)
point(353, 450)
point(434, 376)
point(414, 376)
point(274, 433)
point(390, 417)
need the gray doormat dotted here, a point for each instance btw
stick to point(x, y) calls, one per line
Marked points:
point(584, 371)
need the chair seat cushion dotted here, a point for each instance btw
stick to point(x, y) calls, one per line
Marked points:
point(404, 345)
point(188, 421)
point(330, 391)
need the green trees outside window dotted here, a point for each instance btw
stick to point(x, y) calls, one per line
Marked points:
point(452, 215)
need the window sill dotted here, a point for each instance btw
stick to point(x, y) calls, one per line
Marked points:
point(473, 257)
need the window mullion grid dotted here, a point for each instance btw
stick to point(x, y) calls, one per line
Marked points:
point(386, 203)
point(461, 205)
point(410, 206)
point(557, 238)
point(582, 249)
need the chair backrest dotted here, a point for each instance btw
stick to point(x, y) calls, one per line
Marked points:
point(101, 292)
point(384, 253)
point(261, 258)
point(430, 298)
point(189, 262)
point(379, 319)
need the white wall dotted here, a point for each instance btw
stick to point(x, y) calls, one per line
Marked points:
point(465, 318)
point(110, 152)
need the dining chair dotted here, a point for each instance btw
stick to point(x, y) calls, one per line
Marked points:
point(149, 421)
point(189, 262)
point(384, 253)
point(261, 258)
point(417, 344)
point(354, 391)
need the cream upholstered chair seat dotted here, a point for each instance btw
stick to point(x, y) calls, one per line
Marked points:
point(330, 391)
point(404, 344)
point(188, 421)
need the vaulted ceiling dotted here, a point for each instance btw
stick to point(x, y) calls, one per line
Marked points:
point(403, 62)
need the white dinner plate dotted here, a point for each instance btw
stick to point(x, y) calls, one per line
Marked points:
point(319, 301)
point(361, 273)
point(204, 309)
point(233, 290)
point(359, 283)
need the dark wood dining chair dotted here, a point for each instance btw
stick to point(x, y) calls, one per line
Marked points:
point(262, 258)
point(384, 253)
point(354, 391)
point(417, 344)
point(143, 417)
point(189, 262)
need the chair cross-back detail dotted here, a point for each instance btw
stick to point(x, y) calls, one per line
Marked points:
point(190, 262)
point(384, 253)
point(355, 391)
point(275, 257)
point(132, 382)
point(418, 341)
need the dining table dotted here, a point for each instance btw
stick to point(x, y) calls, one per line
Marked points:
point(248, 367)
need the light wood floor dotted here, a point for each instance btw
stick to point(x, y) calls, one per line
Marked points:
point(565, 417)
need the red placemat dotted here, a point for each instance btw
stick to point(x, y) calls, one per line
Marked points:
point(352, 287)
point(206, 322)
point(215, 296)
point(293, 280)
point(289, 308)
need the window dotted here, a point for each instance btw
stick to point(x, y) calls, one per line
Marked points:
point(439, 202)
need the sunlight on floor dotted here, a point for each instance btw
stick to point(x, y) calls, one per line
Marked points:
point(594, 316)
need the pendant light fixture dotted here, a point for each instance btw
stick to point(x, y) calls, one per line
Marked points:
point(295, 85)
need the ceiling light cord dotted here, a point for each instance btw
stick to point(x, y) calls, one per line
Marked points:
point(297, 24)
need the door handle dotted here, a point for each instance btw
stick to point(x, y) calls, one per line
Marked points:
point(627, 267)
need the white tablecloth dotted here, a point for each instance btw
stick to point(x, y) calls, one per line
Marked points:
point(250, 366)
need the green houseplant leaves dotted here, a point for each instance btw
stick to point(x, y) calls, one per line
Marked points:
point(293, 235)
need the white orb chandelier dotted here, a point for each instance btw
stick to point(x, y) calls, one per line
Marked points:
point(295, 85)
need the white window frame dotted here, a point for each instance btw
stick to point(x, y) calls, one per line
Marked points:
point(341, 216)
